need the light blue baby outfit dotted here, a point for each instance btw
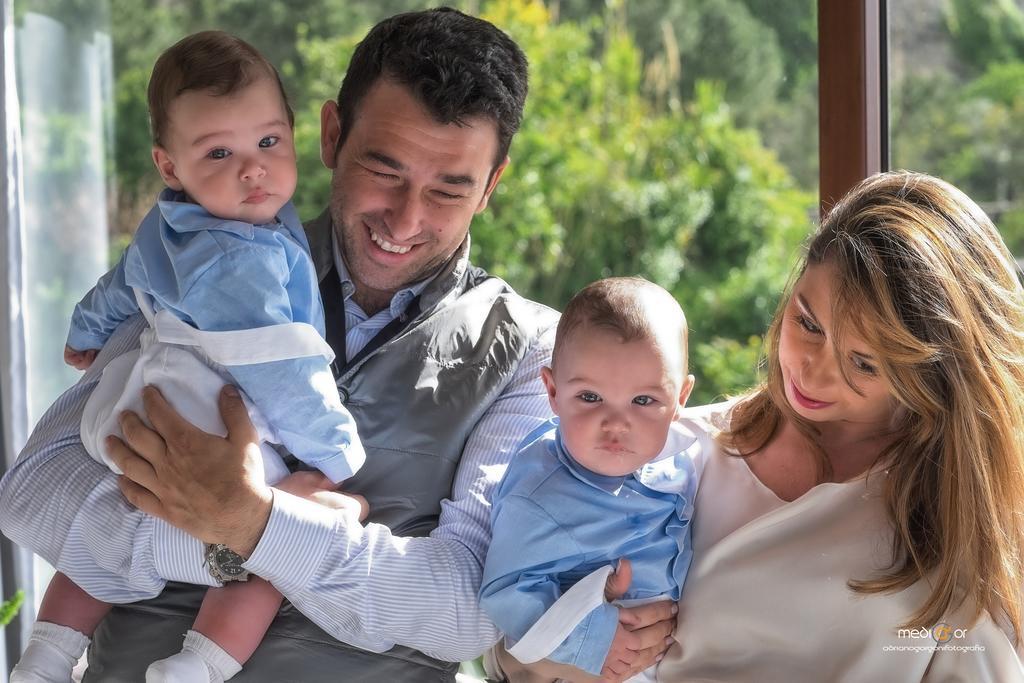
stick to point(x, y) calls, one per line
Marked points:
point(555, 522)
point(219, 275)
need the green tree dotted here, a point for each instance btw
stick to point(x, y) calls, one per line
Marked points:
point(795, 25)
point(610, 183)
point(604, 182)
point(969, 134)
point(763, 52)
point(607, 176)
point(965, 124)
point(986, 32)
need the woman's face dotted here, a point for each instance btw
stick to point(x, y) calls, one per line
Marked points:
point(814, 383)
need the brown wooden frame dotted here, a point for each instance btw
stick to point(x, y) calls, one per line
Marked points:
point(852, 92)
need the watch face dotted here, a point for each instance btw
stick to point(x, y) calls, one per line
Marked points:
point(228, 561)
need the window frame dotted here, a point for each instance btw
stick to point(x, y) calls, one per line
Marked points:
point(16, 564)
point(852, 95)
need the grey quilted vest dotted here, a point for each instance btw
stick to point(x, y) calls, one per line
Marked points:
point(415, 401)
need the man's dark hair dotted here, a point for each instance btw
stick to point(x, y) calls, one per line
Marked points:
point(458, 66)
point(212, 61)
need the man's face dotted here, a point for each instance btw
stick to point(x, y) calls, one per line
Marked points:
point(404, 189)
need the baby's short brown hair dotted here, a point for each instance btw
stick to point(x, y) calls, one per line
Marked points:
point(624, 306)
point(213, 61)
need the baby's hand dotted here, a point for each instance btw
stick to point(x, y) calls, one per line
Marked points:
point(318, 488)
point(618, 581)
point(643, 634)
point(79, 360)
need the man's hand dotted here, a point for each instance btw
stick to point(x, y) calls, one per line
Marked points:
point(79, 360)
point(315, 486)
point(644, 632)
point(207, 486)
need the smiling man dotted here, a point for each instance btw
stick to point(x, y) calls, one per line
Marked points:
point(405, 186)
point(438, 362)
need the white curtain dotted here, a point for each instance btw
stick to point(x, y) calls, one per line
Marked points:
point(64, 84)
point(16, 565)
point(57, 89)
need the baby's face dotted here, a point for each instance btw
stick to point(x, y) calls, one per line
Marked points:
point(615, 400)
point(233, 154)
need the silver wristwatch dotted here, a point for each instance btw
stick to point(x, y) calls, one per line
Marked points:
point(225, 564)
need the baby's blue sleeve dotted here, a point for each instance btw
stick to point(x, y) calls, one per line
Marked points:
point(245, 289)
point(520, 583)
point(108, 304)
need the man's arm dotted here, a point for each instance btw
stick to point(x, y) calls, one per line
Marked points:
point(60, 503)
point(363, 585)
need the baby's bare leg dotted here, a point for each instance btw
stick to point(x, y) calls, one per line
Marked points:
point(68, 616)
point(66, 604)
point(229, 627)
point(237, 616)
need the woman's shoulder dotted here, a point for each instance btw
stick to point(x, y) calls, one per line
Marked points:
point(701, 426)
point(711, 418)
point(980, 652)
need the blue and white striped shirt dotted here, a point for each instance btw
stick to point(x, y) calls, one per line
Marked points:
point(360, 328)
point(362, 585)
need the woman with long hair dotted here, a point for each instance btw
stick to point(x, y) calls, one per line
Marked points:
point(860, 515)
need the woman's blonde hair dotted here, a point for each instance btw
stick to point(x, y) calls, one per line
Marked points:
point(922, 275)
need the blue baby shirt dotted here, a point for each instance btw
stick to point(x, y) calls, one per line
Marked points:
point(554, 522)
point(218, 275)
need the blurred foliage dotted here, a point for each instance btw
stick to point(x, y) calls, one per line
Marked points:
point(966, 123)
point(986, 32)
point(644, 149)
point(675, 139)
point(9, 608)
point(607, 180)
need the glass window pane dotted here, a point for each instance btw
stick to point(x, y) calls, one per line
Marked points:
point(957, 100)
point(64, 68)
point(672, 139)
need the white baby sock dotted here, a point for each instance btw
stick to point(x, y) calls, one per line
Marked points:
point(52, 652)
point(200, 659)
